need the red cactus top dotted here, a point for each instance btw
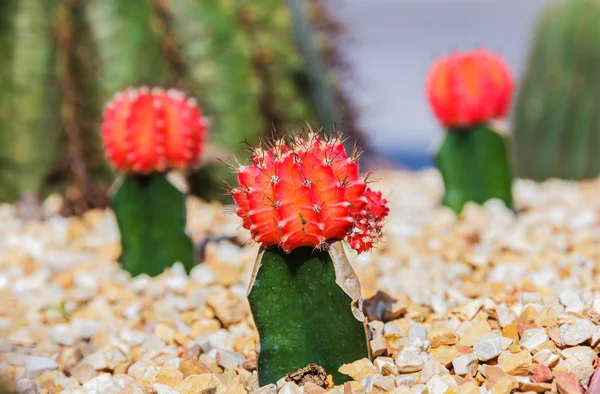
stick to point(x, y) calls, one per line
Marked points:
point(307, 192)
point(468, 88)
point(152, 130)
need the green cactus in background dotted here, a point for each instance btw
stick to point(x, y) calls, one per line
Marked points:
point(52, 101)
point(148, 133)
point(556, 117)
point(240, 59)
point(151, 215)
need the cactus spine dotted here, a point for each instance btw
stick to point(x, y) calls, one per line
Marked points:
point(299, 199)
point(556, 122)
point(467, 91)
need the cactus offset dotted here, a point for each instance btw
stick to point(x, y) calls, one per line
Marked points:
point(146, 133)
point(299, 199)
point(466, 92)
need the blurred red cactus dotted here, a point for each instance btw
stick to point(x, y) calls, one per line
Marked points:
point(152, 130)
point(465, 89)
point(305, 193)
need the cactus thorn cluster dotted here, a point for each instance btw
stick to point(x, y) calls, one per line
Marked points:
point(152, 130)
point(469, 88)
point(306, 191)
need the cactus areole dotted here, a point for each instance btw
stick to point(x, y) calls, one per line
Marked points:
point(146, 133)
point(467, 91)
point(299, 199)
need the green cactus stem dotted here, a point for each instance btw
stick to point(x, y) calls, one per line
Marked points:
point(151, 215)
point(556, 121)
point(307, 309)
point(474, 164)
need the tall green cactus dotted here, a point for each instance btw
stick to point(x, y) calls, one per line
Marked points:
point(65, 57)
point(51, 103)
point(557, 129)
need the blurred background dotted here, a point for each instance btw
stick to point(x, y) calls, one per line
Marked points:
point(392, 43)
point(260, 65)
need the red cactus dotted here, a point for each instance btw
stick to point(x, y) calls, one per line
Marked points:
point(152, 130)
point(303, 193)
point(469, 88)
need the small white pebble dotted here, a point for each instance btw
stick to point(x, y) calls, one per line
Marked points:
point(62, 334)
point(465, 364)
point(27, 386)
point(571, 301)
point(85, 281)
point(437, 385)
point(405, 380)
point(163, 389)
point(574, 334)
point(35, 366)
point(546, 357)
point(290, 388)
point(532, 338)
point(416, 331)
point(409, 361)
point(488, 347)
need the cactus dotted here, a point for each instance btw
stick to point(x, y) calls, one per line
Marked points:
point(237, 58)
point(146, 133)
point(299, 199)
point(467, 91)
point(555, 122)
point(50, 102)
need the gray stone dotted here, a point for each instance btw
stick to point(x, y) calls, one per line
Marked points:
point(488, 347)
point(409, 361)
point(27, 386)
point(35, 366)
point(574, 334)
point(571, 301)
point(532, 338)
point(465, 364)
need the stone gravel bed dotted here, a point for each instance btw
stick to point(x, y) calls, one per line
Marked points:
point(492, 301)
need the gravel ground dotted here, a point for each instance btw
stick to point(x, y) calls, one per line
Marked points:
point(490, 302)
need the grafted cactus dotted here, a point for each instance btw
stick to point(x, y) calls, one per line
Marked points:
point(299, 200)
point(467, 91)
point(147, 133)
